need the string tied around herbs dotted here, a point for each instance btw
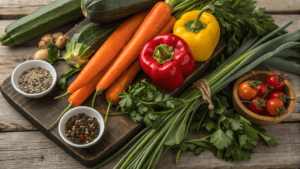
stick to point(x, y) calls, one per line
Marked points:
point(203, 86)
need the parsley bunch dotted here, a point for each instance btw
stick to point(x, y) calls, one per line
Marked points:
point(144, 103)
point(231, 136)
point(238, 19)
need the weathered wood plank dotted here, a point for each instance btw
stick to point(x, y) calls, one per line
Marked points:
point(279, 6)
point(14, 9)
point(36, 151)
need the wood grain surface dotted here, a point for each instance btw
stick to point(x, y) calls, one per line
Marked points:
point(23, 146)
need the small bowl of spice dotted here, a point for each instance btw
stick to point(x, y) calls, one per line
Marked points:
point(81, 127)
point(34, 78)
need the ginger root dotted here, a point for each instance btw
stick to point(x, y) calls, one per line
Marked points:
point(41, 55)
point(46, 39)
point(61, 42)
point(56, 35)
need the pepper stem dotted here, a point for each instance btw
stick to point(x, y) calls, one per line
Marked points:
point(110, 102)
point(163, 53)
point(59, 117)
point(63, 95)
point(95, 95)
point(196, 25)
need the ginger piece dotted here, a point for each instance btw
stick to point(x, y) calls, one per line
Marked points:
point(61, 42)
point(56, 35)
point(45, 40)
point(41, 55)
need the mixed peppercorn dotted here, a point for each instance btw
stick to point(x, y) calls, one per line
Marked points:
point(82, 129)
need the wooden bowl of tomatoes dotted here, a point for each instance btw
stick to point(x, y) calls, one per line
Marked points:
point(263, 97)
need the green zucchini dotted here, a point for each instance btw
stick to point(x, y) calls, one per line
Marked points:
point(101, 11)
point(40, 21)
point(86, 41)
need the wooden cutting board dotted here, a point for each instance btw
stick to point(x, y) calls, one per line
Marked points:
point(42, 112)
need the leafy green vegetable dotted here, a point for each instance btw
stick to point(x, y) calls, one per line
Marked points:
point(53, 53)
point(143, 102)
point(231, 138)
point(62, 82)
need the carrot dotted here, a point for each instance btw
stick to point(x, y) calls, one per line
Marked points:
point(122, 83)
point(152, 24)
point(110, 48)
point(80, 95)
point(169, 26)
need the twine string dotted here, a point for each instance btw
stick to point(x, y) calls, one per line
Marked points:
point(203, 86)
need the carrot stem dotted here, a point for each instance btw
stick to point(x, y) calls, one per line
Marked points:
point(98, 92)
point(110, 102)
point(59, 117)
point(63, 95)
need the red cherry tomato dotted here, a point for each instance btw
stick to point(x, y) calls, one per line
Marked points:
point(280, 95)
point(246, 92)
point(275, 81)
point(262, 90)
point(257, 105)
point(275, 107)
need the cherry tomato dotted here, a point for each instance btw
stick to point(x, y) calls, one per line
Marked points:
point(246, 92)
point(262, 90)
point(257, 105)
point(280, 95)
point(275, 107)
point(275, 81)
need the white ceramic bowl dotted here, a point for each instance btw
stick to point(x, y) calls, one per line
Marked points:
point(18, 71)
point(75, 111)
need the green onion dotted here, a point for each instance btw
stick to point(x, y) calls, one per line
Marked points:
point(290, 66)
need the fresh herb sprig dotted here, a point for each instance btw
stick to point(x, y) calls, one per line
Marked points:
point(143, 102)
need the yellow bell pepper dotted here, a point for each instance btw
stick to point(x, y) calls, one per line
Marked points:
point(200, 30)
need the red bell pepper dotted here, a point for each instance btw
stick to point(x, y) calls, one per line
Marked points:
point(166, 59)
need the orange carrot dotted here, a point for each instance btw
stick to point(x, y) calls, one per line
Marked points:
point(122, 83)
point(110, 48)
point(80, 95)
point(150, 27)
point(169, 26)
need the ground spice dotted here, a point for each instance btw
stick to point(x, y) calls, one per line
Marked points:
point(82, 129)
point(35, 80)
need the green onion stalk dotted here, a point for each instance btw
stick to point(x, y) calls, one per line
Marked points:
point(174, 126)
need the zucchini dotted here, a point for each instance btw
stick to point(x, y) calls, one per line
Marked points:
point(101, 11)
point(86, 41)
point(40, 21)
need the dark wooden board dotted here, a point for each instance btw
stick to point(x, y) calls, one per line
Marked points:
point(44, 111)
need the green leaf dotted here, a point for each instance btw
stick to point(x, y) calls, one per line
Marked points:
point(53, 53)
point(199, 150)
point(234, 124)
point(191, 146)
point(174, 102)
point(62, 82)
point(142, 109)
point(269, 140)
point(229, 133)
point(220, 139)
point(183, 146)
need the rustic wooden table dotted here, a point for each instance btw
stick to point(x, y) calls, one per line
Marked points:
point(23, 146)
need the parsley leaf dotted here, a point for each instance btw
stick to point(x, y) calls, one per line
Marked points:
point(62, 82)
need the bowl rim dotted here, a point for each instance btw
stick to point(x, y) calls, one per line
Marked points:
point(67, 115)
point(54, 79)
point(258, 116)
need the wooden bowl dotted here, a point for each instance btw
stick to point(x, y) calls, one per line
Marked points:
point(264, 118)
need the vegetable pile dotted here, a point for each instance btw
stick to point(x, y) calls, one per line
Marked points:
point(231, 135)
point(122, 47)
